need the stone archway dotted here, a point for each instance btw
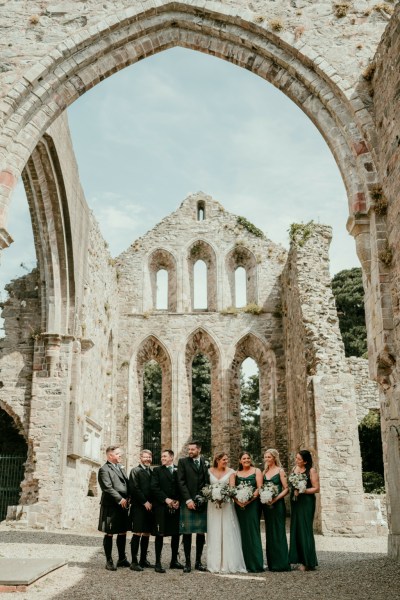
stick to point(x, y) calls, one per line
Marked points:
point(251, 346)
point(152, 349)
point(201, 342)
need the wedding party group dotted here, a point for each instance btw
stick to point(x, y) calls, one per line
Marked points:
point(197, 498)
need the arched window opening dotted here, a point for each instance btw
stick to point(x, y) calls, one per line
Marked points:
point(201, 402)
point(152, 396)
point(200, 286)
point(162, 290)
point(369, 432)
point(13, 454)
point(201, 211)
point(250, 409)
point(240, 287)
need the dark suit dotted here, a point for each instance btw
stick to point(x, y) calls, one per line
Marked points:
point(164, 484)
point(114, 486)
point(191, 481)
point(140, 493)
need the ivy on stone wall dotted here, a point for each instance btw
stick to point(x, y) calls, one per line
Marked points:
point(243, 222)
point(299, 233)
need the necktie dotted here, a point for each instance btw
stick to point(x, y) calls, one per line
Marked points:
point(197, 463)
point(171, 469)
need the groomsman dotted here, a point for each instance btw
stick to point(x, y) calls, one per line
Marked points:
point(192, 477)
point(141, 510)
point(165, 495)
point(114, 507)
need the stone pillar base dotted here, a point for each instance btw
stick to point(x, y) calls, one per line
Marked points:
point(34, 516)
point(394, 546)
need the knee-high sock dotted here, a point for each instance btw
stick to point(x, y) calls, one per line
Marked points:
point(200, 541)
point(107, 545)
point(187, 546)
point(121, 544)
point(144, 544)
point(135, 541)
point(159, 546)
point(174, 547)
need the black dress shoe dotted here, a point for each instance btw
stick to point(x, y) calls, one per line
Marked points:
point(124, 562)
point(187, 568)
point(135, 567)
point(199, 567)
point(158, 568)
point(146, 564)
point(175, 564)
point(110, 566)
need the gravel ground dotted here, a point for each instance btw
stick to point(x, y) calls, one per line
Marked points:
point(350, 569)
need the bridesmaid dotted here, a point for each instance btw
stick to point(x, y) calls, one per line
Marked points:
point(249, 514)
point(302, 543)
point(275, 514)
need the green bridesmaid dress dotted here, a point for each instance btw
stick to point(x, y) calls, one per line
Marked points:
point(302, 543)
point(275, 531)
point(249, 522)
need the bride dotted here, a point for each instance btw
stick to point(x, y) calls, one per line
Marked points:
point(224, 547)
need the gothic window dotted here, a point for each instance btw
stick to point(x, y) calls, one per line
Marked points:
point(250, 409)
point(203, 276)
point(200, 285)
point(242, 276)
point(152, 396)
point(240, 287)
point(201, 210)
point(163, 280)
point(201, 402)
point(162, 290)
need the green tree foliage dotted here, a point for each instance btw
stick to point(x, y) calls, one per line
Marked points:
point(369, 432)
point(152, 388)
point(348, 290)
point(250, 415)
point(201, 402)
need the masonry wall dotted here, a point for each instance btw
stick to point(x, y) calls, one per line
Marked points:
point(384, 356)
point(366, 390)
point(321, 399)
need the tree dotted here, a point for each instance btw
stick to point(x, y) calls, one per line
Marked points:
point(250, 415)
point(152, 391)
point(348, 291)
point(201, 402)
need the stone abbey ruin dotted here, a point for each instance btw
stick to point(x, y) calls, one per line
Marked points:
point(80, 328)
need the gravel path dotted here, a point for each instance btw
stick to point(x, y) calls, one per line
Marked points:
point(350, 569)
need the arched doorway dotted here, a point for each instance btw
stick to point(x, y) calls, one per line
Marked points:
point(13, 454)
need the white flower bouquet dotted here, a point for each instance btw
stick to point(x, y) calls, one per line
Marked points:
point(218, 493)
point(268, 492)
point(243, 492)
point(298, 481)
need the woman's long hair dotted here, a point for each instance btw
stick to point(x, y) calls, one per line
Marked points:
point(240, 467)
point(275, 454)
point(306, 456)
point(217, 457)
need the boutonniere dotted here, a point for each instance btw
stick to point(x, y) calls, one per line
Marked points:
point(207, 463)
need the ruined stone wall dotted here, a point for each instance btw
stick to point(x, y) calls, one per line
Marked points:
point(366, 390)
point(321, 399)
point(21, 314)
point(223, 242)
point(385, 350)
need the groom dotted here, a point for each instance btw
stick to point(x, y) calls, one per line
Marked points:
point(192, 477)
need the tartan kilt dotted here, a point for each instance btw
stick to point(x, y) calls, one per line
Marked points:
point(165, 522)
point(113, 519)
point(192, 521)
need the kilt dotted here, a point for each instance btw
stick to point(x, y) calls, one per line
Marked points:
point(192, 521)
point(165, 522)
point(113, 519)
point(142, 519)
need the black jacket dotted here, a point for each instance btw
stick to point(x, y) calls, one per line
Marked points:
point(191, 480)
point(140, 485)
point(164, 485)
point(113, 483)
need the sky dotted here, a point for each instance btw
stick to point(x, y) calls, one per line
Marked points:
point(181, 122)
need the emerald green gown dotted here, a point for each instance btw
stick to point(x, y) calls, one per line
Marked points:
point(249, 522)
point(302, 543)
point(275, 531)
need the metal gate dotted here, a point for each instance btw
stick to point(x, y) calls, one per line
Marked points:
point(11, 475)
point(153, 444)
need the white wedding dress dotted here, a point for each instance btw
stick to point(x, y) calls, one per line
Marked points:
point(224, 544)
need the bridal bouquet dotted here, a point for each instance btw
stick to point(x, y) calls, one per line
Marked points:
point(298, 481)
point(243, 492)
point(267, 492)
point(218, 493)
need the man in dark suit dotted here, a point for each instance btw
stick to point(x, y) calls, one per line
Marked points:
point(192, 477)
point(141, 510)
point(165, 495)
point(114, 507)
